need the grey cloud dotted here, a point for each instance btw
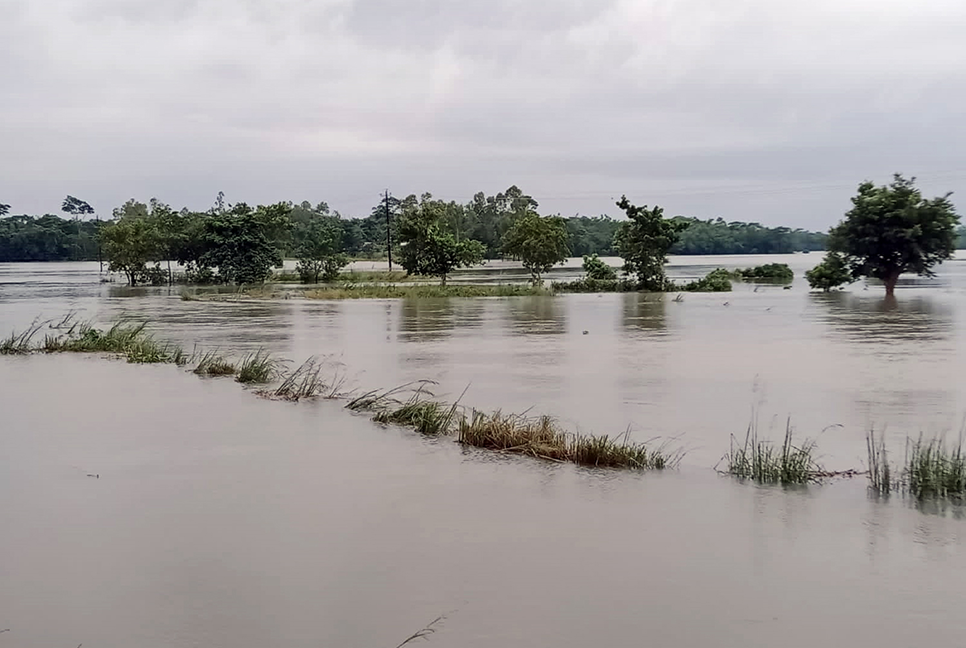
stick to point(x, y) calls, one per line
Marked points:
point(754, 109)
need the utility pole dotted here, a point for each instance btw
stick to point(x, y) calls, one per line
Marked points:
point(97, 233)
point(388, 231)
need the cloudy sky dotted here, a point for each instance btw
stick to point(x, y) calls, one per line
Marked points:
point(768, 110)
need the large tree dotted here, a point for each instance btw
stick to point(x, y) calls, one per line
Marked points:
point(643, 241)
point(540, 242)
point(243, 242)
point(892, 229)
point(426, 246)
point(318, 249)
point(131, 241)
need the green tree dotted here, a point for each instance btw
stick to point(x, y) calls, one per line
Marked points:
point(644, 241)
point(831, 273)
point(242, 242)
point(4, 209)
point(76, 207)
point(131, 241)
point(597, 270)
point(892, 229)
point(539, 242)
point(426, 247)
point(319, 251)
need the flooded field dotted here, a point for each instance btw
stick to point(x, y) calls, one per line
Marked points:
point(216, 518)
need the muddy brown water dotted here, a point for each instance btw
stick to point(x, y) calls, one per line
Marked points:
point(220, 519)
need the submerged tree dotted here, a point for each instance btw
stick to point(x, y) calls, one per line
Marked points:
point(644, 241)
point(426, 247)
point(540, 242)
point(892, 229)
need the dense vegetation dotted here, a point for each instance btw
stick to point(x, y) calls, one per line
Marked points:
point(486, 219)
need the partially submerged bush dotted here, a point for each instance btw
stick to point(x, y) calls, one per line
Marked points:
point(773, 271)
point(831, 273)
point(718, 280)
point(588, 285)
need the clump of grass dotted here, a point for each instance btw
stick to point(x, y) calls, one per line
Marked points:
point(620, 452)
point(761, 461)
point(213, 364)
point(306, 382)
point(426, 416)
point(535, 436)
point(20, 343)
point(881, 478)
point(379, 400)
point(258, 368)
point(934, 469)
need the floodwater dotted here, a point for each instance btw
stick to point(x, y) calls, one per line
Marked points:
point(221, 519)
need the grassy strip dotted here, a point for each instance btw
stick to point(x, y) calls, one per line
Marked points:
point(761, 461)
point(767, 272)
point(306, 382)
point(376, 291)
point(542, 437)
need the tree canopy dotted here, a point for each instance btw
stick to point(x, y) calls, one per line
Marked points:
point(426, 247)
point(539, 242)
point(892, 229)
point(643, 241)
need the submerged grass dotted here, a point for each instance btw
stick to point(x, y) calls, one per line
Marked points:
point(20, 343)
point(932, 468)
point(258, 368)
point(620, 452)
point(306, 381)
point(124, 338)
point(761, 461)
point(425, 416)
point(213, 364)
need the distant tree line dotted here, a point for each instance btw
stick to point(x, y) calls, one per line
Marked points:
point(485, 219)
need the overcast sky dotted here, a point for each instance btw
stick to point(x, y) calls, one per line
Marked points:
point(767, 110)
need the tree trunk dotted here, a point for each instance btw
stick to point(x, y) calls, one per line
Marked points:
point(170, 278)
point(890, 284)
point(442, 281)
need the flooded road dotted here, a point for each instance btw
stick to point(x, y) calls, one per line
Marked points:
point(220, 519)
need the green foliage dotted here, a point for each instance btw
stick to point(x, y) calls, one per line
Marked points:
point(257, 368)
point(597, 270)
point(961, 237)
point(892, 229)
point(213, 364)
point(375, 291)
point(539, 242)
point(4, 209)
point(48, 238)
point(776, 271)
point(831, 273)
point(425, 245)
point(426, 416)
point(132, 240)
point(721, 237)
point(718, 280)
point(319, 242)
point(76, 207)
point(644, 241)
point(243, 242)
point(588, 285)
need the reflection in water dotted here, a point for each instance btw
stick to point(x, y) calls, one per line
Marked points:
point(536, 316)
point(875, 319)
point(424, 320)
point(644, 312)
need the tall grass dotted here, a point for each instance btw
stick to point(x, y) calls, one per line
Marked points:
point(20, 343)
point(620, 452)
point(762, 461)
point(258, 368)
point(935, 469)
point(306, 382)
point(124, 338)
point(881, 479)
